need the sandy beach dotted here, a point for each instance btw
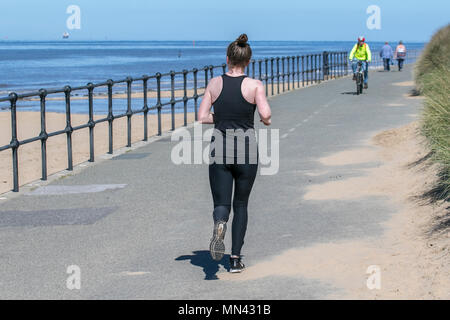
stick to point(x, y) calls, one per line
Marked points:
point(30, 154)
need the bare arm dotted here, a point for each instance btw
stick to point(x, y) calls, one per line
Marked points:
point(204, 114)
point(262, 104)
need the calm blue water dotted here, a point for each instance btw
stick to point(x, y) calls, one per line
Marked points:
point(28, 66)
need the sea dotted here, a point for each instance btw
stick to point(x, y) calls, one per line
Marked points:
point(31, 65)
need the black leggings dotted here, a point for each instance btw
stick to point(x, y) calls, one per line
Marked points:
point(221, 177)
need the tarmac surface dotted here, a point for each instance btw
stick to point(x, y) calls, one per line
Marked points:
point(138, 226)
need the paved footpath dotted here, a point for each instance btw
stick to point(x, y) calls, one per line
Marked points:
point(138, 226)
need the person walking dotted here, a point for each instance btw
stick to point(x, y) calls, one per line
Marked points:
point(387, 54)
point(400, 55)
point(235, 98)
point(361, 52)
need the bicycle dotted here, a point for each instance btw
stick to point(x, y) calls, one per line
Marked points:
point(359, 78)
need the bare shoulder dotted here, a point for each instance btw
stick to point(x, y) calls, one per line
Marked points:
point(215, 81)
point(215, 87)
point(253, 83)
point(215, 84)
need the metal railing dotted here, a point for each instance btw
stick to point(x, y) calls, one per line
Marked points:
point(279, 74)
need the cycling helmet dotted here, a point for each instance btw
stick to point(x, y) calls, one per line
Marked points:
point(361, 38)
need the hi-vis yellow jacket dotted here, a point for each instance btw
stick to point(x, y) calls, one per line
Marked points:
point(361, 53)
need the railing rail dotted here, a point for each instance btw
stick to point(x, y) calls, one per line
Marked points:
point(301, 69)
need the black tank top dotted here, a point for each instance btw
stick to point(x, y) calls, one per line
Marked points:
point(234, 124)
point(231, 110)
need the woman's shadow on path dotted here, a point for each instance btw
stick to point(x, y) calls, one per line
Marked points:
point(203, 259)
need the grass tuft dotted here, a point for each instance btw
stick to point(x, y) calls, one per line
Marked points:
point(432, 75)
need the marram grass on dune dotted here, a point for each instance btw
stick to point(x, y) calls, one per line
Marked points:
point(434, 56)
point(433, 81)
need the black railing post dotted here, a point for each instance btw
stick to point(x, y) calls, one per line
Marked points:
point(145, 85)
point(337, 64)
point(307, 70)
point(303, 71)
point(346, 62)
point(334, 65)
point(43, 135)
point(288, 58)
point(266, 78)
point(253, 69)
point(172, 99)
point(278, 75)
point(91, 122)
point(185, 98)
point(340, 64)
point(195, 94)
point(158, 100)
point(319, 62)
point(110, 117)
point(211, 71)
point(296, 61)
point(315, 68)
point(129, 112)
point(330, 63)
point(260, 70)
point(325, 64)
point(206, 76)
point(271, 73)
point(68, 129)
point(14, 141)
point(282, 70)
point(338, 58)
point(323, 68)
point(224, 68)
point(293, 72)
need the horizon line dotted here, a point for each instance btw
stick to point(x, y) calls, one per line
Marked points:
point(191, 40)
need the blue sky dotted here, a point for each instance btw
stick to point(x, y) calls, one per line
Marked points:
point(410, 20)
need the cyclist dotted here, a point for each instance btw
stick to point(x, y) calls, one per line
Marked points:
point(361, 52)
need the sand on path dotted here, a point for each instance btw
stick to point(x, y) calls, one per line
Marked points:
point(408, 261)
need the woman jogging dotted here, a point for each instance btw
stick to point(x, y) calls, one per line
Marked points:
point(235, 98)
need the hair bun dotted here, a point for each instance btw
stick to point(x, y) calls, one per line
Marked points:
point(242, 40)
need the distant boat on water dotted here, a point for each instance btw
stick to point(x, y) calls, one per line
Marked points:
point(65, 35)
